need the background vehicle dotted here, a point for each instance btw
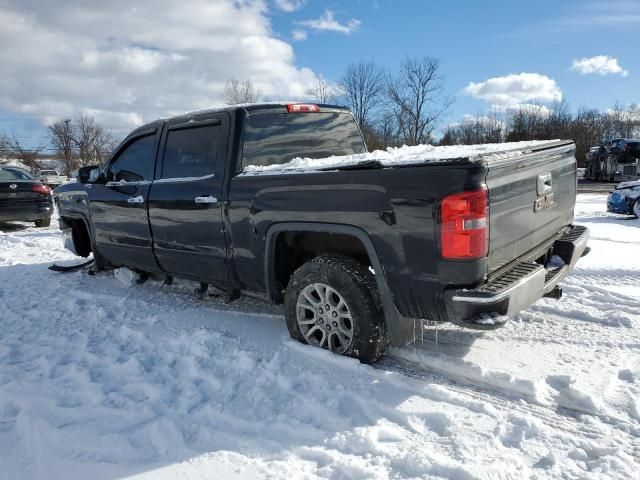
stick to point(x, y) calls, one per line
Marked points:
point(355, 246)
point(626, 157)
point(51, 178)
point(625, 199)
point(616, 160)
point(23, 198)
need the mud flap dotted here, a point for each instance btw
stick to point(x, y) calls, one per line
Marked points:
point(400, 329)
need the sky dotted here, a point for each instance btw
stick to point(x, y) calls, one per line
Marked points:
point(128, 62)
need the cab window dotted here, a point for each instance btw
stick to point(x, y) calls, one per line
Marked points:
point(191, 152)
point(272, 139)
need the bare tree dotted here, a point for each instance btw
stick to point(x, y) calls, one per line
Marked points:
point(528, 122)
point(236, 92)
point(482, 128)
point(80, 141)
point(4, 147)
point(27, 155)
point(61, 138)
point(92, 140)
point(321, 91)
point(362, 87)
point(623, 122)
point(383, 132)
point(418, 98)
point(588, 129)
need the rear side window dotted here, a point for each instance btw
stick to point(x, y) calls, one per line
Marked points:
point(8, 174)
point(272, 139)
point(191, 152)
point(135, 163)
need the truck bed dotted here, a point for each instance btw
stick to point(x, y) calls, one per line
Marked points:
point(492, 153)
point(395, 196)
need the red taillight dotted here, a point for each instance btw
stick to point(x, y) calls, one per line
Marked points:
point(302, 108)
point(464, 231)
point(41, 189)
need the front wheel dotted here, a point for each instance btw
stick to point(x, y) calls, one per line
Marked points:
point(636, 208)
point(332, 302)
point(43, 222)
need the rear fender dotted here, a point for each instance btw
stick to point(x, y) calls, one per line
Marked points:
point(400, 328)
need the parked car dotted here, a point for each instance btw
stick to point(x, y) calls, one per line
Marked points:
point(52, 178)
point(355, 247)
point(625, 199)
point(23, 198)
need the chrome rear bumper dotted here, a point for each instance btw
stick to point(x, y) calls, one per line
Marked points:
point(489, 305)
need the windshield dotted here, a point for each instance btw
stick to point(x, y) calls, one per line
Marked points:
point(271, 139)
point(9, 174)
point(48, 172)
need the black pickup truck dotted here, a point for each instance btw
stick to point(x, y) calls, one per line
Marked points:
point(357, 250)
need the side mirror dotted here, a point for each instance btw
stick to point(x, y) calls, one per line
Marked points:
point(91, 174)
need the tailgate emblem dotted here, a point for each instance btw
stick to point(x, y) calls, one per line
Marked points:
point(544, 189)
point(13, 186)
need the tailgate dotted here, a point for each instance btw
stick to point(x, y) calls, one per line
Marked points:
point(531, 198)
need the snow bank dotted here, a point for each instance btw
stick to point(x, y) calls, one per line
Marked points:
point(421, 154)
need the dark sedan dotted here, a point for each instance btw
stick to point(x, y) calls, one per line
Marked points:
point(23, 198)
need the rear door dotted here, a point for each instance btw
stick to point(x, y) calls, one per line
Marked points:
point(119, 207)
point(531, 197)
point(185, 205)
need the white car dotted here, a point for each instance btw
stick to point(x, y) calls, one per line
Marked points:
point(51, 178)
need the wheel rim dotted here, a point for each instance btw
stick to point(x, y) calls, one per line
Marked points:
point(636, 208)
point(324, 318)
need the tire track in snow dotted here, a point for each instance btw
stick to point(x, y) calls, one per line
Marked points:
point(562, 418)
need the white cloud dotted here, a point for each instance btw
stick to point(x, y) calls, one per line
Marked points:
point(327, 21)
point(514, 89)
point(299, 35)
point(290, 5)
point(600, 64)
point(127, 64)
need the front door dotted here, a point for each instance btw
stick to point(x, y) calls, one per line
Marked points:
point(185, 207)
point(119, 207)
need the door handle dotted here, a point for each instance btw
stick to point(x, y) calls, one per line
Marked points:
point(206, 199)
point(138, 199)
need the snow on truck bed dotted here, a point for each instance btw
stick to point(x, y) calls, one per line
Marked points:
point(101, 378)
point(399, 156)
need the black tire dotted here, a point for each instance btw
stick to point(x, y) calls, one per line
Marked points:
point(356, 284)
point(43, 222)
point(635, 209)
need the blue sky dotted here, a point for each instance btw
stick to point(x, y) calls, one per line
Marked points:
point(129, 62)
point(479, 40)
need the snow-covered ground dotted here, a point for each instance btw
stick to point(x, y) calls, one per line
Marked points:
point(104, 379)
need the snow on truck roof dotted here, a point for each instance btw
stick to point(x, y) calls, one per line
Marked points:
point(405, 156)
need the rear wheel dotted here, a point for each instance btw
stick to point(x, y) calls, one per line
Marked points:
point(43, 222)
point(636, 209)
point(332, 302)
